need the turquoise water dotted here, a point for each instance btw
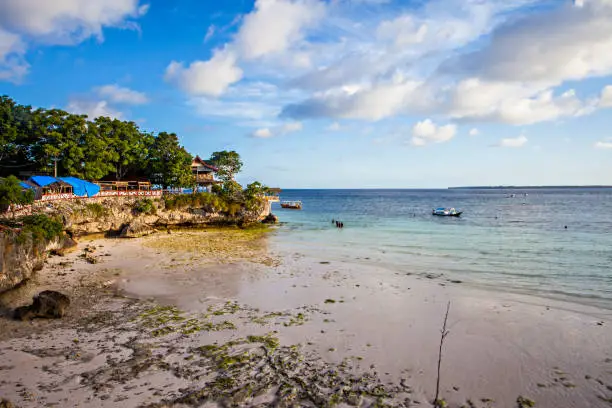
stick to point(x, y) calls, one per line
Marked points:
point(517, 244)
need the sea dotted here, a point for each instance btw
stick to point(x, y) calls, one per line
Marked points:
point(548, 242)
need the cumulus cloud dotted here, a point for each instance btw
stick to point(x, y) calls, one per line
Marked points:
point(604, 144)
point(568, 43)
point(513, 142)
point(263, 133)
point(464, 61)
point(374, 102)
point(210, 78)
point(93, 108)
point(122, 95)
point(427, 131)
point(402, 31)
point(284, 129)
point(275, 25)
point(606, 96)
point(474, 132)
point(63, 22)
point(511, 103)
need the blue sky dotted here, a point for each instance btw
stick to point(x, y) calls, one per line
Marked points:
point(337, 93)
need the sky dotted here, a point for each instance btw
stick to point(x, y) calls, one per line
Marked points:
point(336, 93)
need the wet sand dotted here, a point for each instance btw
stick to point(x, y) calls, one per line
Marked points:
point(146, 318)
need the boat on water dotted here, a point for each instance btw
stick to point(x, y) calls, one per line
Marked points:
point(446, 212)
point(292, 205)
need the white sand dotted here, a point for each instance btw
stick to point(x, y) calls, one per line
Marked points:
point(500, 345)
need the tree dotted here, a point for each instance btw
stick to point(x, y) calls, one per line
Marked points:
point(169, 162)
point(228, 163)
point(11, 192)
point(253, 195)
point(99, 156)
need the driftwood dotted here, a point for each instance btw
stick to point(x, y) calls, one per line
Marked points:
point(443, 334)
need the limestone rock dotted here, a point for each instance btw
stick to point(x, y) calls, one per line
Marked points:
point(270, 219)
point(47, 304)
point(136, 229)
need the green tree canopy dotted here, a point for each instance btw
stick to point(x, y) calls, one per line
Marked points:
point(11, 192)
point(228, 163)
point(169, 162)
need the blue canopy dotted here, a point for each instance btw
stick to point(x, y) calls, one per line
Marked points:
point(26, 185)
point(43, 180)
point(80, 187)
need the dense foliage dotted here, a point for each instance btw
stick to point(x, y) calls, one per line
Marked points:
point(39, 139)
point(228, 164)
point(144, 206)
point(11, 192)
point(38, 227)
point(210, 203)
point(42, 140)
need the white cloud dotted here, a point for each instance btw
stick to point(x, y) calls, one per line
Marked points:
point(284, 129)
point(427, 131)
point(263, 133)
point(212, 29)
point(63, 22)
point(474, 132)
point(12, 64)
point(606, 97)
point(211, 78)
point(118, 94)
point(402, 31)
point(67, 21)
point(373, 102)
point(567, 43)
point(93, 109)
point(334, 127)
point(514, 142)
point(512, 103)
point(604, 144)
point(275, 25)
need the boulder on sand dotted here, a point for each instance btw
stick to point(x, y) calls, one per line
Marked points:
point(270, 219)
point(136, 230)
point(47, 304)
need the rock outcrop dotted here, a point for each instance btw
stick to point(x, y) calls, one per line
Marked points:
point(48, 304)
point(116, 215)
point(19, 259)
point(270, 219)
point(136, 229)
point(121, 216)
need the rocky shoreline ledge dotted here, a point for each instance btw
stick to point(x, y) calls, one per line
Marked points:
point(25, 242)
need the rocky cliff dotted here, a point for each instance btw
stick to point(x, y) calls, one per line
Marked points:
point(135, 217)
point(21, 256)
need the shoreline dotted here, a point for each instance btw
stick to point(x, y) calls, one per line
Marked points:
point(500, 347)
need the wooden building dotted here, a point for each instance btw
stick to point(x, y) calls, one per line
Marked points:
point(204, 174)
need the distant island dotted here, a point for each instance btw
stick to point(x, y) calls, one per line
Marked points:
point(523, 187)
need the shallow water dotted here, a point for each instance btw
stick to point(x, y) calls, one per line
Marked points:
point(517, 244)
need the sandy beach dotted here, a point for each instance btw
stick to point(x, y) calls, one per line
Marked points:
point(218, 318)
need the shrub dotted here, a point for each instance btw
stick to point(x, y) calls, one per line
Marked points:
point(38, 226)
point(96, 210)
point(11, 192)
point(208, 202)
point(145, 206)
